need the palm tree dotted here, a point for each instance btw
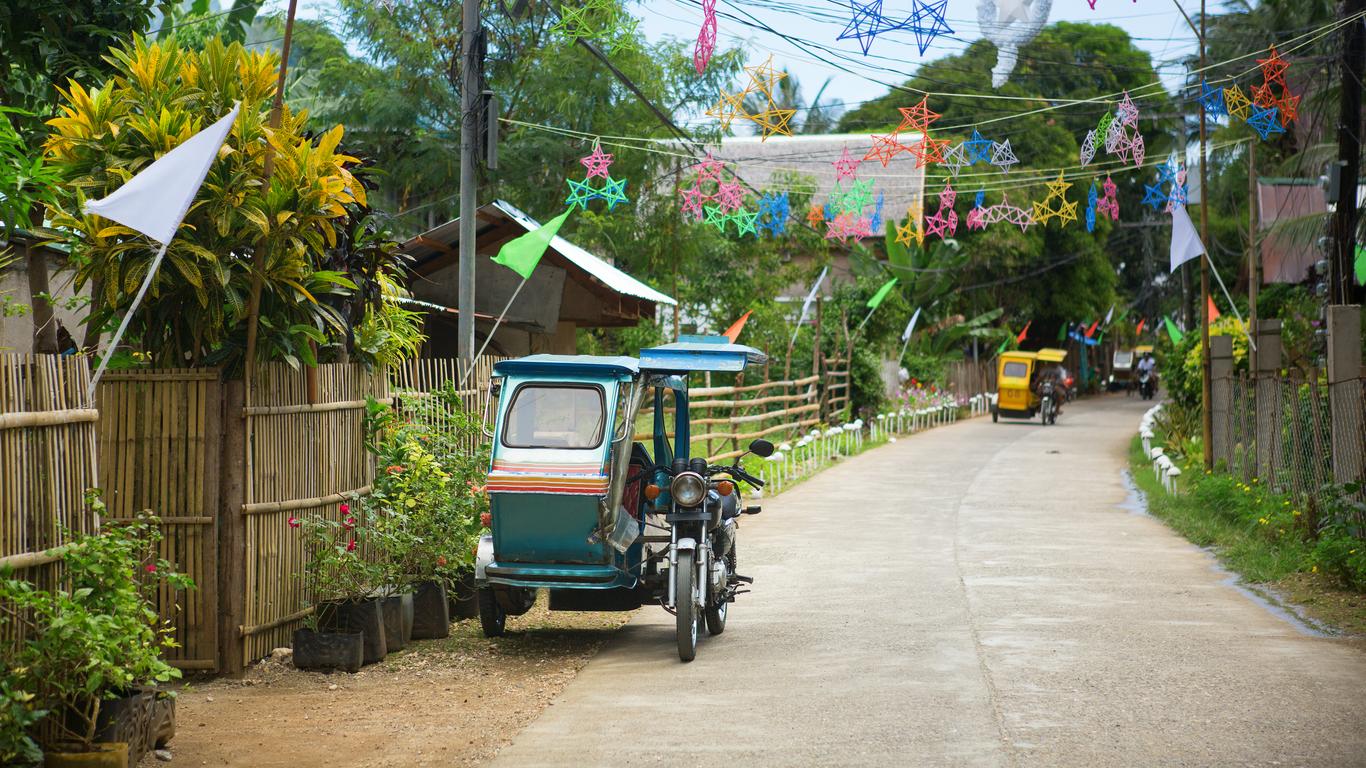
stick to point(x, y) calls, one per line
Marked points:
point(815, 118)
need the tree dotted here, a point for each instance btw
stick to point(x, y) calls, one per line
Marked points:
point(195, 310)
point(42, 45)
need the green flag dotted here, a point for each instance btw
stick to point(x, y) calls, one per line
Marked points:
point(1173, 331)
point(522, 254)
point(1002, 348)
point(1361, 265)
point(881, 294)
point(1062, 333)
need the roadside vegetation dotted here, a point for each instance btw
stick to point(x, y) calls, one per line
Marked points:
point(1314, 557)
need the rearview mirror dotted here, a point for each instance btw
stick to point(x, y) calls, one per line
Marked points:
point(761, 448)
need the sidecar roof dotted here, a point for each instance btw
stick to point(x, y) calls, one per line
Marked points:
point(568, 365)
point(700, 353)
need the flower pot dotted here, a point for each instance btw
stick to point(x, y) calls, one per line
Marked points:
point(431, 615)
point(364, 616)
point(407, 617)
point(163, 720)
point(328, 650)
point(392, 608)
point(128, 720)
point(463, 597)
point(111, 755)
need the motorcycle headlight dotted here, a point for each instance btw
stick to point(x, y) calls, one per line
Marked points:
point(688, 489)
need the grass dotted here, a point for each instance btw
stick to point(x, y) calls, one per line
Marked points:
point(1264, 537)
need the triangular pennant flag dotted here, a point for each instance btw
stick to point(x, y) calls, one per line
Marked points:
point(881, 294)
point(1213, 310)
point(1002, 348)
point(1360, 267)
point(1092, 330)
point(155, 201)
point(1062, 333)
point(1140, 326)
point(910, 327)
point(1186, 243)
point(1023, 333)
point(1109, 315)
point(733, 332)
point(1172, 331)
point(806, 305)
point(522, 254)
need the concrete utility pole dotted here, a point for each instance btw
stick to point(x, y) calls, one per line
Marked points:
point(470, 53)
point(1341, 288)
point(1254, 255)
point(1207, 422)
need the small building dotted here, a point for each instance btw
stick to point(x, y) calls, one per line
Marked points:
point(70, 306)
point(570, 289)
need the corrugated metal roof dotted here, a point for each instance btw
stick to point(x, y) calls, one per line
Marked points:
point(614, 278)
point(568, 364)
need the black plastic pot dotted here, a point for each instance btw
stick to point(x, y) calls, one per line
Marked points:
point(407, 598)
point(392, 607)
point(431, 615)
point(328, 650)
point(463, 597)
point(364, 616)
point(128, 719)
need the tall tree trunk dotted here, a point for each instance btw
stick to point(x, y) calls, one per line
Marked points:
point(44, 322)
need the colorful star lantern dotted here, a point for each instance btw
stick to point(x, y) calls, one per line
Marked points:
point(612, 191)
point(706, 37)
point(603, 20)
point(1002, 156)
point(954, 159)
point(1108, 203)
point(876, 224)
point(978, 148)
point(774, 210)
point(846, 167)
point(1236, 102)
point(1004, 211)
point(746, 222)
point(848, 225)
point(815, 215)
point(977, 216)
point(710, 185)
point(1088, 148)
point(1213, 101)
point(1174, 179)
point(912, 231)
point(943, 222)
point(1092, 197)
point(926, 22)
point(1274, 93)
point(1118, 132)
point(771, 120)
point(1265, 122)
point(1056, 205)
point(915, 119)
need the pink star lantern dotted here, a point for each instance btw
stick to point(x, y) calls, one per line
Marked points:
point(597, 163)
point(729, 196)
point(692, 202)
point(846, 167)
point(709, 169)
point(1126, 111)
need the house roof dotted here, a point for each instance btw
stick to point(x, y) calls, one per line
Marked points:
point(438, 244)
point(757, 161)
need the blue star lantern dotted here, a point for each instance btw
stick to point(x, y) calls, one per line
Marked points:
point(1213, 100)
point(1154, 197)
point(774, 211)
point(867, 24)
point(979, 149)
point(1266, 122)
point(927, 22)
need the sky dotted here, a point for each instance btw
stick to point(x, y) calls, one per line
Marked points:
point(801, 35)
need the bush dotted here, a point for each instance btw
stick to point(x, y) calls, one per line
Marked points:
point(94, 638)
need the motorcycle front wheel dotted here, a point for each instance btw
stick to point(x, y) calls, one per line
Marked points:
point(685, 607)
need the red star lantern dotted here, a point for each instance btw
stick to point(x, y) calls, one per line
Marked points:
point(917, 118)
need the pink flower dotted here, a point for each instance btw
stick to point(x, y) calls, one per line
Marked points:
point(150, 568)
point(349, 523)
point(293, 522)
point(345, 508)
point(351, 546)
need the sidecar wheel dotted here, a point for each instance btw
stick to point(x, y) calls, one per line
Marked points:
point(685, 608)
point(716, 616)
point(492, 618)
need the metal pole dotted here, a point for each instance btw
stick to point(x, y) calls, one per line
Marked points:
point(469, 175)
point(1349, 156)
point(1254, 261)
point(1207, 420)
point(123, 326)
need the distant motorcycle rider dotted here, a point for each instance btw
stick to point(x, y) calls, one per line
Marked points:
point(1148, 365)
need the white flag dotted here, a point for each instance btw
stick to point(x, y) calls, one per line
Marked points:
point(910, 327)
point(155, 201)
point(1109, 315)
point(1186, 243)
point(806, 305)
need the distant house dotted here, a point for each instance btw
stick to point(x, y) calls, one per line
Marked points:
point(570, 289)
point(16, 318)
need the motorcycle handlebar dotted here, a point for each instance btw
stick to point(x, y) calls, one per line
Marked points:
point(743, 475)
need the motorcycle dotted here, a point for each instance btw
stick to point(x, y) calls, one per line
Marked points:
point(1048, 402)
point(1147, 385)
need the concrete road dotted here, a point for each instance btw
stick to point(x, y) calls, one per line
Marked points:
point(975, 595)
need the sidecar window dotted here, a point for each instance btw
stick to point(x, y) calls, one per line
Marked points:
point(555, 416)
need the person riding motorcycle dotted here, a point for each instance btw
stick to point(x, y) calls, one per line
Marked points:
point(1057, 375)
point(1148, 365)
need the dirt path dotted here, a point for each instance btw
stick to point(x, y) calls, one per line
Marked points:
point(439, 702)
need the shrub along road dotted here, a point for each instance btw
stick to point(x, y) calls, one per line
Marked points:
point(971, 596)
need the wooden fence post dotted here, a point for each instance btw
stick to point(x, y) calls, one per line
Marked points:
point(1268, 401)
point(1345, 393)
point(1221, 389)
point(231, 529)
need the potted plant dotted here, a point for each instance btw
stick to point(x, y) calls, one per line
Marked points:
point(426, 500)
point(92, 643)
point(339, 581)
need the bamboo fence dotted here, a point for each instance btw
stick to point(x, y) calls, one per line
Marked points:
point(47, 463)
point(723, 417)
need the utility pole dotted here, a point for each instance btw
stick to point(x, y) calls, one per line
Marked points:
point(1207, 421)
point(471, 69)
point(1341, 289)
point(1254, 256)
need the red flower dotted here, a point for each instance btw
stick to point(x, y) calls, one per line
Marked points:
point(441, 561)
point(349, 523)
point(486, 519)
point(394, 469)
point(151, 568)
point(345, 508)
point(293, 522)
point(351, 546)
